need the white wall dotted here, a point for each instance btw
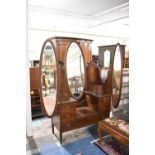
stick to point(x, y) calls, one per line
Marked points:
point(37, 37)
point(43, 23)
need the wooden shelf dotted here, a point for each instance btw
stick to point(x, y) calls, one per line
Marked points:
point(125, 85)
point(35, 93)
point(36, 105)
point(37, 114)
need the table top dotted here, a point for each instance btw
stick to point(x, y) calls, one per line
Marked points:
point(96, 94)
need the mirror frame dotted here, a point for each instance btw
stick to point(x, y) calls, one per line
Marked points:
point(116, 104)
point(84, 82)
point(40, 73)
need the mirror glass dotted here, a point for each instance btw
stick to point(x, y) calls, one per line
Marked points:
point(117, 73)
point(48, 78)
point(106, 59)
point(75, 70)
point(105, 69)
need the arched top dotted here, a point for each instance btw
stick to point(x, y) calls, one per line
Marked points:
point(71, 38)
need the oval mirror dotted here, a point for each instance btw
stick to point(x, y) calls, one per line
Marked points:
point(75, 70)
point(117, 77)
point(48, 78)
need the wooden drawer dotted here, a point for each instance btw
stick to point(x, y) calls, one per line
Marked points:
point(105, 100)
point(67, 109)
point(104, 105)
point(104, 110)
point(67, 126)
point(67, 117)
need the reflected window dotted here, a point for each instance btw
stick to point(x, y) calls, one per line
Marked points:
point(117, 67)
point(117, 76)
point(106, 59)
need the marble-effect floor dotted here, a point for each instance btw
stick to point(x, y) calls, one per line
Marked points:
point(42, 133)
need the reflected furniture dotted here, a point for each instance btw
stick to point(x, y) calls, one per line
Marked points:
point(125, 85)
point(126, 63)
point(116, 127)
point(35, 92)
point(65, 79)
point(126, 59)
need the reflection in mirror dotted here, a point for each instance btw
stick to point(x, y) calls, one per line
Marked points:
point(75, 70)
point(105, 68)
point(117, 68)
point(48, 69)
point(106, 59)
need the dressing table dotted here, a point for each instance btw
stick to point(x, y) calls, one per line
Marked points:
point(63, 62)
point(68, 80)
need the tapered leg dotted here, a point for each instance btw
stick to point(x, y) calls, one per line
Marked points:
point(100, 135)
point(60, 137)
point(53, 128)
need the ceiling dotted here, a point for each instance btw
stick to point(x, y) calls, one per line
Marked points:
point(104, 17)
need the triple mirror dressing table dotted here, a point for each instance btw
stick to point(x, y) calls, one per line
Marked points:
point(68, 80)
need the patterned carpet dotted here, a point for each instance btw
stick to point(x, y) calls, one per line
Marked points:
point(111, 146)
